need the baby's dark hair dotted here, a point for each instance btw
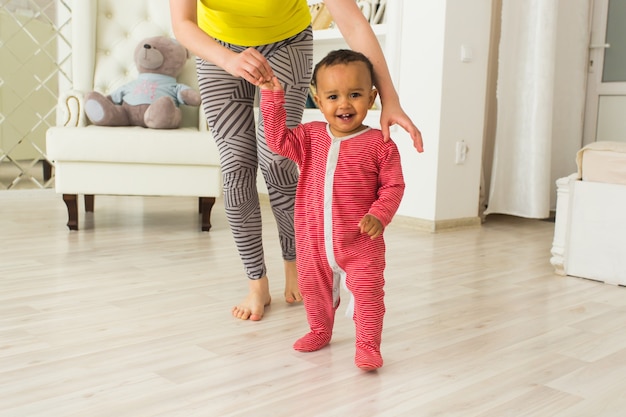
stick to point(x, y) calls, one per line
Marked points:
point(342, 56)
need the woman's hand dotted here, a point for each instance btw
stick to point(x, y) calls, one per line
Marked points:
point(393, 114)
point(250, 65)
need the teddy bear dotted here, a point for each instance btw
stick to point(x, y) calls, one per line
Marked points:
point(153, 99)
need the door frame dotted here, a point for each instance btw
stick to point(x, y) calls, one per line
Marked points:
point(595, 86)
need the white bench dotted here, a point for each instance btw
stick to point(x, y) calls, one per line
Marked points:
point(90, 160)
point(590, 225)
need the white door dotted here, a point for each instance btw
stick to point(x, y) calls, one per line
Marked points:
point(605, 110)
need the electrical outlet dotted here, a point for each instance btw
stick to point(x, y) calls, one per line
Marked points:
point(461, 152)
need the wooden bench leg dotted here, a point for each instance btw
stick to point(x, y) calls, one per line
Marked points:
point(89, 203)
point(206, 205)
point(47, 170)
point(71, 201)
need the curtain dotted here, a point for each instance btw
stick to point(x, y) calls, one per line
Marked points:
point(520, 177)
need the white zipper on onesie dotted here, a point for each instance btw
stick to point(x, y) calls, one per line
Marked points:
point(339, 275)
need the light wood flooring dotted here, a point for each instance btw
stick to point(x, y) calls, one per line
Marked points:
point(130, 317)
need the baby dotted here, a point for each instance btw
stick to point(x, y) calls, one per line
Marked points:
point(349, 189)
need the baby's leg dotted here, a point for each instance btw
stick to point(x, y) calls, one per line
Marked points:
point(321, 318)
point(316, 285)
point(369, 310)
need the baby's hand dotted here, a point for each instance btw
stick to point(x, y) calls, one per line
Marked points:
point(274, 84)
point(371, 225)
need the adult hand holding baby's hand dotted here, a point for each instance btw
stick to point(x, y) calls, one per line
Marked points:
point(250, 65)
point(272, 84)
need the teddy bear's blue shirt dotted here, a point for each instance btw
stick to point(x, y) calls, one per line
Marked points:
point(147, 88)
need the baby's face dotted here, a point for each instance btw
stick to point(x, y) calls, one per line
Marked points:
point(344, 94)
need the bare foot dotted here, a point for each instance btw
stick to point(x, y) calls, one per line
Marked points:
point(292, 293)
point(253, 306)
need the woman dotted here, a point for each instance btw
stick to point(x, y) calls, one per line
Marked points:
point(240, 44)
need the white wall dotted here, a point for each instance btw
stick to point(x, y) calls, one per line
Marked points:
point(419, 85)
point(27, 60)
point(446, 99)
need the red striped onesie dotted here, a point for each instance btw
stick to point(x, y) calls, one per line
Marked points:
point(341, 180)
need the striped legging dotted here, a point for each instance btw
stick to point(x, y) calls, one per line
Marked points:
point(228, 104)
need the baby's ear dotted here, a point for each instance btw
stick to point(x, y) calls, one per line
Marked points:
point(317, 100)
point(373, 95)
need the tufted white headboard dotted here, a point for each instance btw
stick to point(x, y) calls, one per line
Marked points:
point(104, 36)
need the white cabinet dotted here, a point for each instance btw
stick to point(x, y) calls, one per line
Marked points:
point(329, 39)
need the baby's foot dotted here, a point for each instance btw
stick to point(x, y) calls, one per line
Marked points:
point(312, 341)
point(253, 306)
point(367, 357)
point(292, 293)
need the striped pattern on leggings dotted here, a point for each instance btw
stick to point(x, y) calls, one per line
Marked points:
point(228, 104)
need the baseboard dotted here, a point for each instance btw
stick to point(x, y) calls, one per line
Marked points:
point(434, 226)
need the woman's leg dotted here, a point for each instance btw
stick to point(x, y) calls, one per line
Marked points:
point(228, 106)
point(291, 61)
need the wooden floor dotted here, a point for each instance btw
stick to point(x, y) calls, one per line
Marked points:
point(130, 317)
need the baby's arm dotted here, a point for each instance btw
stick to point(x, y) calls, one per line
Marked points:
point(280, 139)
point(371, 225)
point(391, 183)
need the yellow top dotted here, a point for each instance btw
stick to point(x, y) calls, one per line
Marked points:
point(253, 22)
